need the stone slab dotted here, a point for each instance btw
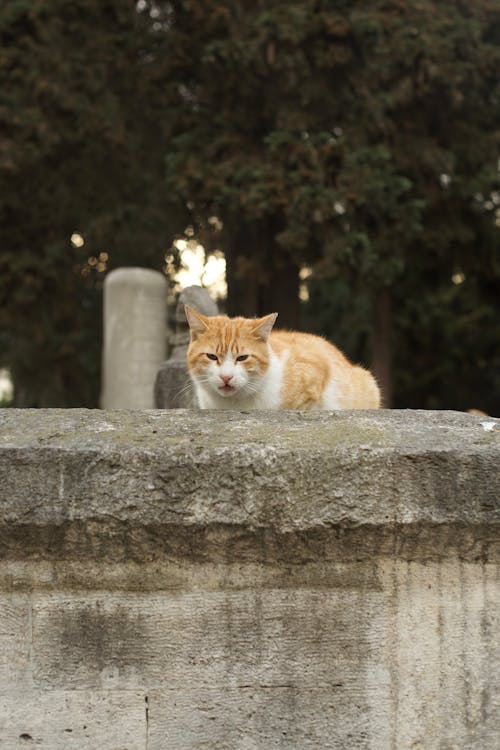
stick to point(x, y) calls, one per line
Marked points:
point(173, 389)
point(15, 641)
point(199, 485)
point(73, 720)
point(294, 638)
point(264, 718)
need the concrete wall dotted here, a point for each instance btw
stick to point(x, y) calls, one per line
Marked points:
point(172, 580)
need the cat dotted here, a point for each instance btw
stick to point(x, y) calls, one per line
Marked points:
point(241, 363)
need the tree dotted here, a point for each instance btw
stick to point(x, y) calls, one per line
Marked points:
point(351, 138)
point(433, 95)
point(81, 152)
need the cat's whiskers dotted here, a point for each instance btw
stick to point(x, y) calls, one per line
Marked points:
point(189, 386)
point(250, 387)
point(181, 392)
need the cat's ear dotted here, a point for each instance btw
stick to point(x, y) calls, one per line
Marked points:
point(197, 322)
point(264, 326)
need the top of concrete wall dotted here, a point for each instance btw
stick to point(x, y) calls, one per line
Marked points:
point(262, 484)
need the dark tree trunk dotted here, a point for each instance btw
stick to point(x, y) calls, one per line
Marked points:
point(241, 275)
point(281, 294)
point(382, 359)
point(242, 289)
point(258, 287)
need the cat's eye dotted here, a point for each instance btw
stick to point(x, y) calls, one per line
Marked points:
point(242, 358)
point(212, 356)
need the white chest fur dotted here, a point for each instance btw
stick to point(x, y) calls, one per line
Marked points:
point(267, 393)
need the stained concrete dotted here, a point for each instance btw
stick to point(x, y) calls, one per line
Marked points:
point(181, 580)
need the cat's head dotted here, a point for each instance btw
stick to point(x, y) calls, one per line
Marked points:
point(228, 356)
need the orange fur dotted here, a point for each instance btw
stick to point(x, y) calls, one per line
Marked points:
point(312, 361)
point(312, 373)
point(226, 334)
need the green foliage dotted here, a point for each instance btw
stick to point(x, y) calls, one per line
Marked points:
point(445, 337)
point(299, 105)
point(81, 150)
point(451, 336)
point(355, 138)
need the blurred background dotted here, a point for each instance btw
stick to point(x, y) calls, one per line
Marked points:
point(335, 161)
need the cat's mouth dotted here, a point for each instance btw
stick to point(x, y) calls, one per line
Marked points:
point(227, 389)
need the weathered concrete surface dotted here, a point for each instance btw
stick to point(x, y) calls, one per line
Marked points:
point(225, 581)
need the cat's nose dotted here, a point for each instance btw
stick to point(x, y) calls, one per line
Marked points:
point(226, 379)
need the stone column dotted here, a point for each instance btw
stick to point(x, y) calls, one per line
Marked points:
point(173, 388)
point(135, 337)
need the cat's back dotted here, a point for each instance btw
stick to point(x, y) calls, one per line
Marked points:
point(316, 374)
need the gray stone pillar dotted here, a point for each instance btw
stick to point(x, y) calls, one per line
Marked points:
point(173, 387)
point(135, 337)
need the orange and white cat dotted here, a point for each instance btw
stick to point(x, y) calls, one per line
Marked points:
point(240, 363)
